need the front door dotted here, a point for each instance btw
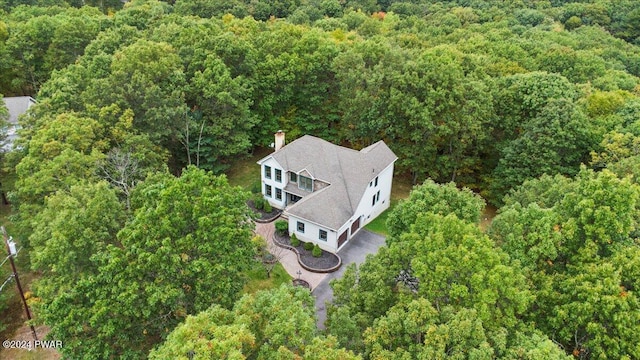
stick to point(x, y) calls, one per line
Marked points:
point(293, 198)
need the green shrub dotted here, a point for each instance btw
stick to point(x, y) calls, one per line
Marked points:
point(308, 246)
point(256, 187)
point(259, 244)
point(259, 201)
point(573, 23)
point(267, 207)
point(269, 258)
point(295, 242)
point(316, 252)
point(282, 227)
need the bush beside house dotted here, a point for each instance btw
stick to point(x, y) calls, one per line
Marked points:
point(316, 252)
point(295, 242)
point(282, 227)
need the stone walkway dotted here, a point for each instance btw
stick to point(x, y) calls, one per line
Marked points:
point(288, 258)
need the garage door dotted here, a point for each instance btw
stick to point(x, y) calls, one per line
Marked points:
point(343, 238)
point(355, 226)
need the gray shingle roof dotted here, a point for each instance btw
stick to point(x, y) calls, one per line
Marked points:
point(348, 171)
point(17, 106)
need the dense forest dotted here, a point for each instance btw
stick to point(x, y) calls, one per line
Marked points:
point(119, 197)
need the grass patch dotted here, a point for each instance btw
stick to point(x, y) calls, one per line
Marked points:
point(399, 191)
point(245, 172)
point(5, 212)
point(24, 334)
point(488, 214)
point(401, 188)
point(258, 278)
point(379, 224)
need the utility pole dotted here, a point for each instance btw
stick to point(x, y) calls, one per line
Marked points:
point(11, 249)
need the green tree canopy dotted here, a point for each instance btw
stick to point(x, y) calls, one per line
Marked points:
point(438, 199)
point(579, 253)
point(183, 250)
point(444, 264)
point(271, 324)
point(555, 141)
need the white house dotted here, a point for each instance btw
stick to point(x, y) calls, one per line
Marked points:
point(328, 192)
point(17, 106)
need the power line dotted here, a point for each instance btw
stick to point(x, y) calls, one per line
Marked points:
point(6, 282)
point(7, 258)
point(11, 250)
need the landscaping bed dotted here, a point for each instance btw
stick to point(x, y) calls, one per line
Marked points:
point(326, 262)
point(301, 283)
point(264, 216)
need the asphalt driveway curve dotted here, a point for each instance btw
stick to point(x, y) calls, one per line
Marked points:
point(355, 251)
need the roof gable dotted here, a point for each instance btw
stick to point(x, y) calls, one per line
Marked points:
point(305, 172)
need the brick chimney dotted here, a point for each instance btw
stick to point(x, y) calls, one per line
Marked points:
point(279, 140)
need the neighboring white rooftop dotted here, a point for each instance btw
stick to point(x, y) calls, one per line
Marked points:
point(17, 106)
point(347, 171)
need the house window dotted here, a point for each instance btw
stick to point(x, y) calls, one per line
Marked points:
point(267, 190)
point(370, 183)
point(300, 227)
point(278, 175)
point(322, 235)
point(293, 177)
point(267, 172)
point(278, 194)
point(305, 183)
point(375, 198)
point(376, 181)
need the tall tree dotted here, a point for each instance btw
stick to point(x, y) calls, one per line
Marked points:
point(147, 78)
point(270, 324)
point(438, 199)
point(421, 331)
point(522, 97)
point(221, 124)
point(184, 250)
point(40, 42)
point(62, 153)
point(579, 253)
point(446, 262)
point(555, 141)
point(438, 99)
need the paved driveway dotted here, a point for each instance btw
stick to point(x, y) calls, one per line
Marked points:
point(356, 251)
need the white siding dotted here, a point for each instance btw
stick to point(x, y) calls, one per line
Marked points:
point(368, 212)
point(312, 232)
point(365, 211)
point(280, 204)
